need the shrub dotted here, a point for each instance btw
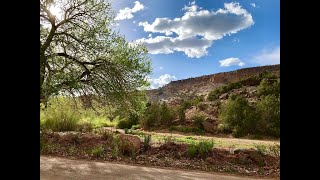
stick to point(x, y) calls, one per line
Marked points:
point(201, 148)
point(224, 128)
point(261, 148)
point(182, 115)
point(238, 115)
point(122, 147)
point(97, 151)
point(60, 115)
point(146, 141)
point(133, 119)
point(123, 124)
point(167, 115)
point(205, 147)
point(213, 95)
point(126, 130)
point(202, 106)
point(268, 109)
point(198, 120)
point(269, 87)
point(134, 127)
point(151, 116)
point(192, 150)
point(275, 150)
point(106, 135)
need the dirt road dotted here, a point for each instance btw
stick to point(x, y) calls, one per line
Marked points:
point(53, 168)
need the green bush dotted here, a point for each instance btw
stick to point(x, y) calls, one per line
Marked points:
point(224, 128)
point(201, 148)
point(134, 127)
point(198, 120)
point(269, 87)
point(97, 151)
point(146, 141)
point(213, 95)
point(192, 150)
point(205, 147)
point(239, 116)
point(123, 124)
point(167, 115)
point(262, 149)
point(60, 115)
point(275, 150)
point(151, 116)
point(202, 106)
point(268, 109)
point(128, 122)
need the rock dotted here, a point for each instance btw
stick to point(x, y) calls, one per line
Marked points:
point(209, 127)
point(191, 112)
point(224, 96)
point(132, 140)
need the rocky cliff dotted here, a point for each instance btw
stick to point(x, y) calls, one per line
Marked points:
point(204, 84)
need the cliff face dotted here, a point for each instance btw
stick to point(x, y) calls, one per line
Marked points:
point(204, 84)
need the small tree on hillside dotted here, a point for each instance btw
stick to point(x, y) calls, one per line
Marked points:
point(167, 115)
point(239, 116)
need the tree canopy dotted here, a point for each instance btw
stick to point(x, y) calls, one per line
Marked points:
point(81, 54)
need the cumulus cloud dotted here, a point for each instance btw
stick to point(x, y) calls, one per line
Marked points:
point(268, 56)
point(127, 13)
point(192, 47)
point(196, 30)
point(231, 62)
point(161, 81)
point(253, 5)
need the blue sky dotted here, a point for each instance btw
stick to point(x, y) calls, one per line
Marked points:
point(194, 38)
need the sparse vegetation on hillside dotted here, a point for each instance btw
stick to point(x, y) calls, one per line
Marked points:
point(261, 118)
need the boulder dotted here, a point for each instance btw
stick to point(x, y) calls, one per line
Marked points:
point(132, 140)
point(191, 112)
point(209, 126)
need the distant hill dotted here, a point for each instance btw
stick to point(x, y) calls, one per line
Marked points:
point(201, 86)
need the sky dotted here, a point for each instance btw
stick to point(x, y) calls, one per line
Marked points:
point(195, 38)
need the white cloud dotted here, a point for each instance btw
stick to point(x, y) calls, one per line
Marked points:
point(126, 13)
point(231, 62)
point(161, 81)
point(160, 67)
point(196, 29)
point(268, 56)
point(192, 47)
point(253, 5)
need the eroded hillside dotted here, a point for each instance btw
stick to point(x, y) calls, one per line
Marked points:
point(201, 86)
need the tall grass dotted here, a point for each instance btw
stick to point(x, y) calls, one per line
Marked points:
point(65, 114)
